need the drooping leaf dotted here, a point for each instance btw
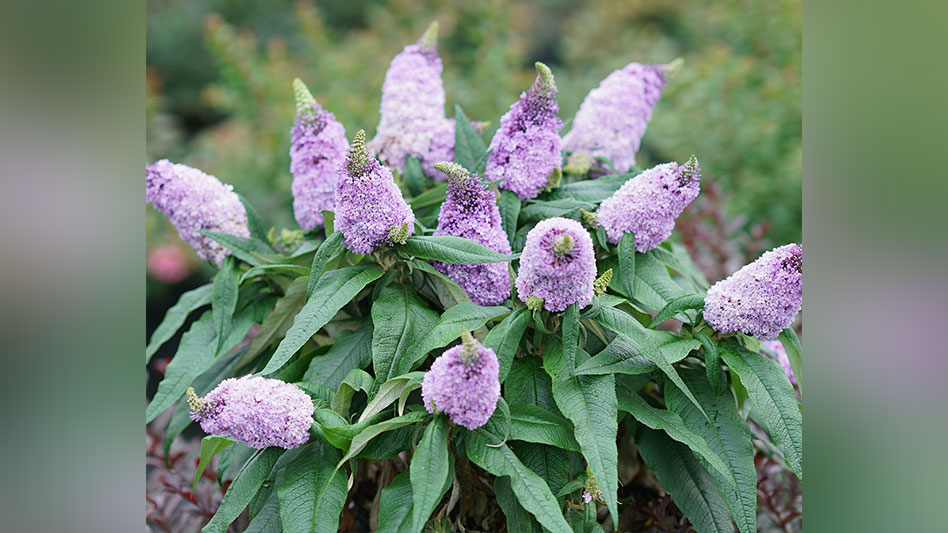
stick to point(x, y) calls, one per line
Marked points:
point(370, 431)
point(517, 517)
point(266, 519)
point(432, 197)
point(256, 226)
point(550, 463)
point(679, 260)
point(414, 176)
point(570, 333)
point(593, 191)
point(654, 287)
point(390, 391)
point(211, 445)
point(352, 349)
point(326, 251)
point(712, 361)
point(623, 357)
point(175, 317)
point(468, 145)
point(505, 337)
point(537, 210)
point(450, 249)
point(530, 423)
point(243, 489)
point(334, 290)
point(529, 384)
point(356, 380)
point(285, 269)
point(249, 250)
point(395, 506)
point(313, 492)
point(429, 470)
point(682, 303)
point(401, 321)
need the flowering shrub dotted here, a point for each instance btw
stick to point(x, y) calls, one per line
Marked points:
point(484, 323)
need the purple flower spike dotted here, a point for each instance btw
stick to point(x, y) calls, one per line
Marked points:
point(762, 298)
point(526, 148)
point(648, 204)
point(412, 112)
point(256, 411)
point(780, 355)
point(557, 266)
point(612, 118)
point(317, 152)
point(195, 201)
point(370, 210)
point(470, 211)
point(463, 382)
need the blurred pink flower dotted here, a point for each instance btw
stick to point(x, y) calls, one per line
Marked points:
point(168, 264)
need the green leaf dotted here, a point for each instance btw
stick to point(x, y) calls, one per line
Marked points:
point(672, 424)
point(686, 480)
point(624, 281)
point(593, 191)
point(401, 320)
point(505, 337)
point(530, 423)
point(509, 205)
point(254, 224)
point(276, 325)
point(682, 303)
point(313, 491)
point(444, 286)
point(224, 297)
point(251, 251)
point(468, 145)
point(266, 519)
point(329, 219)
point(432, 197)
point(326, 251)
point(712, 361)
point(465, 315)
point(334, 290)
point(243, 489)
point(528, 383)
point(352, 349)
point(450, 249)
point(624, 357)
point(175, 317)
point(286, 269)
point(362, 438)
point(550, 463)
point(414, 176)
point(729, 437)
point(390, 391)
point(337, 429)
point(772, 395)
point(654, 287)
point(395, 506)
point(429, 471)
point(791, 344)
point(211, 445)
point(680, 261)
point(531, 490)
point(517, 517)
point(570, 334)
point(356, 380)
point(537, 210)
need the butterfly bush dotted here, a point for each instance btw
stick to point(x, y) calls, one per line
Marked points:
point(255, 411)
point(558, 265)
point(195, 201)
point(648, 204)
point(779, 353)
point(317, 151)
point(613, 117)
point(463, 382)
point(525, 149)
point(762, 298)
point(369, 206)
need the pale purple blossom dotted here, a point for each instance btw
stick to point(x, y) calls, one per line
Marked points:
point(256, 411)
point(369, 205)
point(317, 153)
point(648, 204)
point(775, 350)
point(612, 118)
point(525, 149)
point(471, 211)
point(557, 265)
point(464, 383)
point(762, 298)
point(195, 201)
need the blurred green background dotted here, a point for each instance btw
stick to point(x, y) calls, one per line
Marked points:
point(219, 94)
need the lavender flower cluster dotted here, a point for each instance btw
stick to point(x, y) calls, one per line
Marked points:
point(317, 151)
point(558, 265)
point(256, 411)
point(464, 383)
point(470, 211)
point(194, 201)
point(762, 298)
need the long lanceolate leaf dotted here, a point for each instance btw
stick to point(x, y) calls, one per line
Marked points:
point(401, 321)
point(450, 249)
point(324, 253)
point(334, 290)
point(224, 297)
point(791, 344)
point(243, 489)
point(176, 316)
point(465, 315)
point(313, 491)
point(504, 338)
point(429, 471)
point(772, 395)
point(469, 148)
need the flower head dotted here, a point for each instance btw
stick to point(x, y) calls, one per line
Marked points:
point(762, 298)
point(368, 203)
point(463, 382)
point(778, 353)
point(557, 265)
point(195, 201)
point(612, 118)
point(317, 152)
point(412, 112)
point(470, 211)
point(255, 411)
point(648, 204)
point(526, 148)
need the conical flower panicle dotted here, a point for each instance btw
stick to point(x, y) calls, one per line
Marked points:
point(256, 411)
point(648, 204)
point(613, 117)
point(194, 201)
point(368, 203)
point(317, 151)
point(471, 211)
point(412, 111)
point(558, 265)
point(762, 298)
point(526, 148)
point(464, 383)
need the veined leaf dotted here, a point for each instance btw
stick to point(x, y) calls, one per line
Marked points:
point(530, 423)
point(570, 332)
point(224, 298)
point(429, 471)
point(286, 269)
point(276, 325)
point(395, 506)
point(265, 519)
point(509, 206)
point(401, 320)
point(625, 277)
point(450, 287)
point(682, 303)
point(679, 260)
point(468, 145)
point(517, 517)
point(249, 250)
point(369, 432)
point(654, 287)
point(450, 249)
point(791, 344)
point(623, 357)
point(326, 251)
point(462, 316)
point(712, 361)
point(537, 210)
point(550, 463)
point(313, 491)
point(352, 349)
point(593, 191)
point(356, 380)
point(505, 337)
point(772, 395)
point(211, 445)
point(414, 176)
point(334, 290)
point(529, 384)
point(175, 317)
point(243, 489)
point(431, 197)
point(390, 391)
point(257, 229)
